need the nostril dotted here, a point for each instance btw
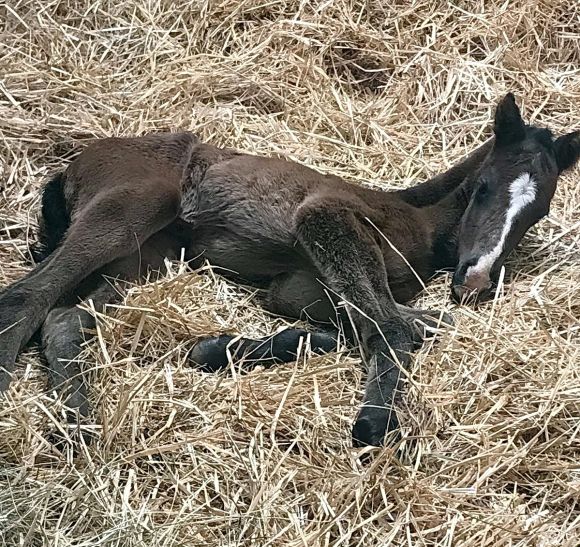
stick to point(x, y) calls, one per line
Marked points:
point(461, 270)
point(468, 263)
point(477, 281)
point(469, 283)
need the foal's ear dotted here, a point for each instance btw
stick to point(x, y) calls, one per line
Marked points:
point(508, 126)
point(567, 149)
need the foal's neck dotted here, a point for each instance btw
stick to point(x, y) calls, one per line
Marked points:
point(442, 201)
point(442, 185)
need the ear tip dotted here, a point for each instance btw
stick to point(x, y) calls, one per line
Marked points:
point(573, 137)
point(508, 123)
point(508, 102)
point(568, 150)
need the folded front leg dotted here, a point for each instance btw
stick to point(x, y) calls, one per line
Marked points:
point(211, 354)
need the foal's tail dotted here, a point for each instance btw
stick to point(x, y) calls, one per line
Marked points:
point(54, 221)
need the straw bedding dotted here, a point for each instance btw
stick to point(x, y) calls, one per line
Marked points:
point(381, 93)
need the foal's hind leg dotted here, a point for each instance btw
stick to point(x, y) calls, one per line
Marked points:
point(112, 224)
point(62, 338)
point(62, 332)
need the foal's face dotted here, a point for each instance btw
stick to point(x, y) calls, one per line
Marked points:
point(514, 187)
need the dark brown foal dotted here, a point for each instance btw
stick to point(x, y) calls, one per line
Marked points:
point(321, 249)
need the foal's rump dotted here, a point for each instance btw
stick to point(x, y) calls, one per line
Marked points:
point(107, 164)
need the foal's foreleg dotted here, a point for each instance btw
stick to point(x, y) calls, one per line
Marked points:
point(296, 294)
point(353, 267)
point(211, 354)
point(111, 225)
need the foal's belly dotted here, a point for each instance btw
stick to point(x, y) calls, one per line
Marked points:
point(256, 259)
point(250, 236)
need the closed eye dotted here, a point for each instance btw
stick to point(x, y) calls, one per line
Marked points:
point(483, 190)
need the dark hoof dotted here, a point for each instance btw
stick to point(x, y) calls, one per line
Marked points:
point(371, 426)
point(210, 354)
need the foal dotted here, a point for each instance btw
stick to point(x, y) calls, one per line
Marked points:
point(320, 248)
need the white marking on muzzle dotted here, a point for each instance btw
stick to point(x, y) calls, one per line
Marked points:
point(522, 193)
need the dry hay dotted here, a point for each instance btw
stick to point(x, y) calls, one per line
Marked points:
point(382, 93)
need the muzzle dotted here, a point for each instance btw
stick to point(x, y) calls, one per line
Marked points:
point(470, 283)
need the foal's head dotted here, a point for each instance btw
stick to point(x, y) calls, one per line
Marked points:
point(513, 190)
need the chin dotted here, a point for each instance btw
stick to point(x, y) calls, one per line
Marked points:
point(463, 295)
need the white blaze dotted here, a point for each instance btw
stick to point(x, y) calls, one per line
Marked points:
point(522, 193)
